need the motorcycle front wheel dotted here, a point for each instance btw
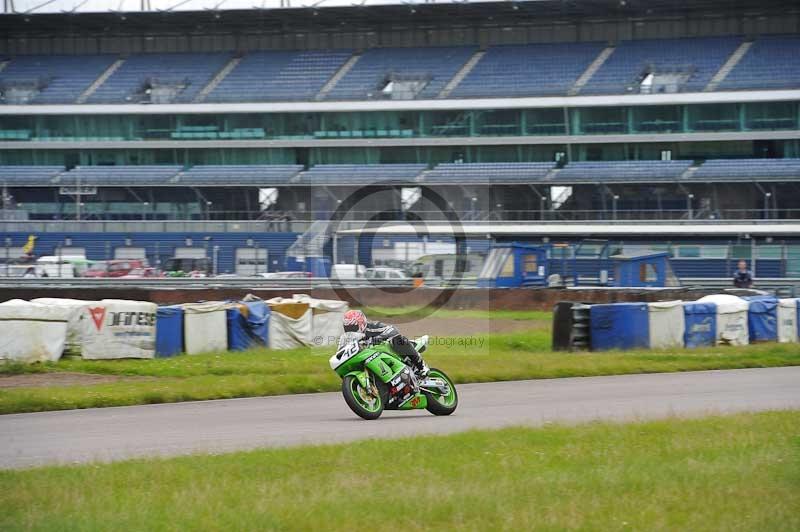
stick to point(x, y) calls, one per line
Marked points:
point(442, 405)
point(365, 403)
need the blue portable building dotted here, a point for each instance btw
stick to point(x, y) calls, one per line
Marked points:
point(514, 265)
point(645, 269)
point(619, 326)
point(700, 324)
point(169, 331)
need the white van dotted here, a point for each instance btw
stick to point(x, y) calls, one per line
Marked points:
point(348, 271)
point(65, 266)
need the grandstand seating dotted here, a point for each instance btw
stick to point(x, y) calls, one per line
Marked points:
point(226, 175)
point(488, 172)
point(193, 70)
point(732, 169)
point(700, 57)
point(622, 170)
point(436, 65)
point(503, 71)
point(62, 78)
point(773, 62)
point(333, 174)
point(120, 176)
point(364, 174)
point(275, 76)
point(29, 176)
point(527, 70)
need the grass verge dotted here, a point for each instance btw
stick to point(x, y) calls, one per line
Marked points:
point(497, 314)
point(737, 472)
point(263, 372)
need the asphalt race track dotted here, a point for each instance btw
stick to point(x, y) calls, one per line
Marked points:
point(226, 425)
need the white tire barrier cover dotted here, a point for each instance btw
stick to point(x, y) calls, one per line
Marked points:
point(788, 320)
point(667, 324)
point(76, 308)
point(290, 324)
point(205, 327)
point(731, 318)
point(117, 328)
point(327, 316)
point(32, 332)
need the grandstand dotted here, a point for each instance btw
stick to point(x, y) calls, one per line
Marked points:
point(519, 112)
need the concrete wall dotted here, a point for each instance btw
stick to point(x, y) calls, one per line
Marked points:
point(478, 299)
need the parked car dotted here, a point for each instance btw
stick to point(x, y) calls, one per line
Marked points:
point(62, 266)
point(115, 268)
point(385, 273)
point(286, 275)
point(348, 271)
point(186, 267)
point(141, 273)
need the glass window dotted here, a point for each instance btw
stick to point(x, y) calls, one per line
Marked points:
point(508, 266)
point(647, 273)
point(530, 263)
point(496, 258)
point(769, 252)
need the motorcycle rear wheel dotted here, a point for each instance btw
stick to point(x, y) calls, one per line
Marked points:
point(363, 403)
point(442, 405)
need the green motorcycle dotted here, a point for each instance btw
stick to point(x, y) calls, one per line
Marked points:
point(375, 378)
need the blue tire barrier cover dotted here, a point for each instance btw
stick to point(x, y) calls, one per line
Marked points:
point(169, 331)
point(701, 324)
point(238, 336)
point(248, 327)
point(620, 326)
point(762, 318)
point(258, 321)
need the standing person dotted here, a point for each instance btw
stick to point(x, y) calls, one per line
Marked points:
point(29, 273)
point(743, 278)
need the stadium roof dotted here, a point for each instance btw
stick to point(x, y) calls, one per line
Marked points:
point(316, 15)
point(587, 229)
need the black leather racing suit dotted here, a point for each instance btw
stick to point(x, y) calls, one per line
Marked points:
point(378, 332)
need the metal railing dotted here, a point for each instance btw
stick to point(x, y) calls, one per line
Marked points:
point(301, 221)
point(783, 286)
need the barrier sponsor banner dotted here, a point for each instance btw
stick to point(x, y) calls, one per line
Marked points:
point(701, 324)
point(762, 319)
point(114, 328)
point(731, 318)
point(789, 320)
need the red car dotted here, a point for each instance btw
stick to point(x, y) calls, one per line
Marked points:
point(115, 268)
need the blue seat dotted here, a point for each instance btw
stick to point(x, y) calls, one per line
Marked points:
point(699, 57)
point(279, 75)
point(435, 65)
point(527, 70)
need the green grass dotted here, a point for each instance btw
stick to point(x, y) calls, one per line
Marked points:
point(722, 473)
point(264, 372)
point(497, 314)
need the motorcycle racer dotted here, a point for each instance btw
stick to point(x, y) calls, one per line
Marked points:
point(376, 332)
